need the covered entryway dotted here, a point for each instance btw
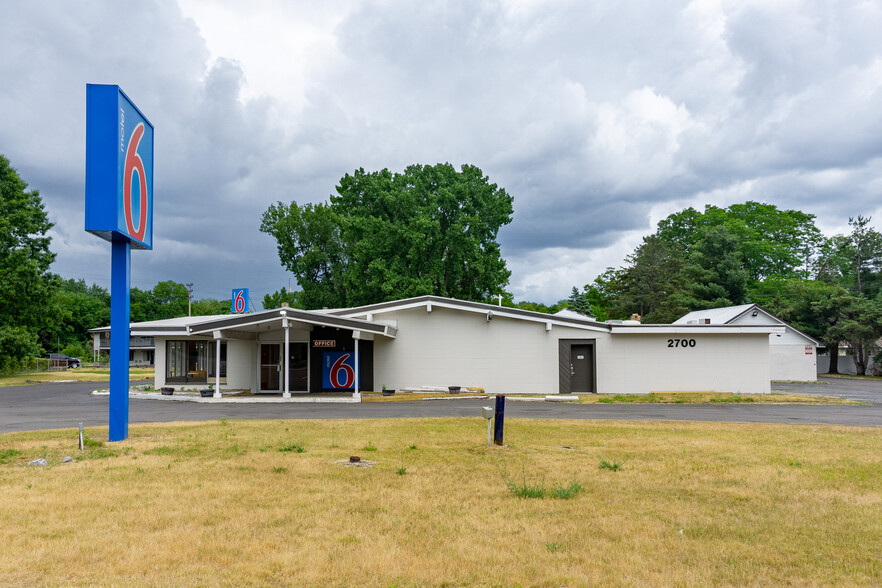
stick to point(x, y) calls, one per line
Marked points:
point(288, 342)
point(576, 366)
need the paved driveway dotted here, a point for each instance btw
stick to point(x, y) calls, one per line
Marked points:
point(856, 389)
point(57, 406)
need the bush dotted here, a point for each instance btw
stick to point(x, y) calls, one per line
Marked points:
point(16, 344)
point(78, 350)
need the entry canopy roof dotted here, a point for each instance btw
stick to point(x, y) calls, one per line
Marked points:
point(274, 319)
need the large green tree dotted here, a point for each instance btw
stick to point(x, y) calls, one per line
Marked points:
point(715, 275)
point(275, 300)
point(167, 299)
point(654, 272)
point(75, 308)
point(854, 261)
point(25, 282)
point(771, 241)
point(384, 235)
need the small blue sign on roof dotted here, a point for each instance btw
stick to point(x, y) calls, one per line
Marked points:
point(119, 167)
point(239, 301)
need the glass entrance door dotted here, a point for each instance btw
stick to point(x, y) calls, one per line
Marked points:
point(270, 367)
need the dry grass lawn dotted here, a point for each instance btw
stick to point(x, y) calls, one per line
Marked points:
point(247, 503)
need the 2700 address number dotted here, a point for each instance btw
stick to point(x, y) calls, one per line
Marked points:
point(681, 342)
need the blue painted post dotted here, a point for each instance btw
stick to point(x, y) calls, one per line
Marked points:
point(120, 279)
point(499, 420)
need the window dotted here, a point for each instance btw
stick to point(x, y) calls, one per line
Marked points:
point(193, 361)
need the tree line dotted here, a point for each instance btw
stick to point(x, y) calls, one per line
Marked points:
point(42, 312)
point(828, 287)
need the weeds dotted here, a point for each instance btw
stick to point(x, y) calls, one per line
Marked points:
point(411, 448)
point(612, 466)
point(101, 453)
point(293, 447)
point(369, 447)
point(280, 469)
point(401, 471)
point(7, 453)
point(524, 489)
point(565, 492)
point(89, 442)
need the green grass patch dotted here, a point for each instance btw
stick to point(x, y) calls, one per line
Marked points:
point(6, 454)
point(612, 466)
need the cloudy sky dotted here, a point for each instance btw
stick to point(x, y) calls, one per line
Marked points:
point(599, 118)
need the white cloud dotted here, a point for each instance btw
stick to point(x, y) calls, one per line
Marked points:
point(599, 118)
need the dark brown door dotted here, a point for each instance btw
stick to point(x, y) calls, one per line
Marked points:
point(582, 368)
point(298, 366)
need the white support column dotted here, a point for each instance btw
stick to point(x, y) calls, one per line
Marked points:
point(357, 394)
point(287, 392)
point(217, 361)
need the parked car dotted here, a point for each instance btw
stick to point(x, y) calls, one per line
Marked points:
point(62, 360)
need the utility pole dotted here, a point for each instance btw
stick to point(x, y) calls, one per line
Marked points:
point(190, 299)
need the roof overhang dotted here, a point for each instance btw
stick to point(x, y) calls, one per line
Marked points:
point(695, 329)
point(285, 316)
point(431, 302)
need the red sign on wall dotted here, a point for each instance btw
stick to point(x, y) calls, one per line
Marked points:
point(809, 349)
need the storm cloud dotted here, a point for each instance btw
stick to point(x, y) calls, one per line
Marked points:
point(598, 118)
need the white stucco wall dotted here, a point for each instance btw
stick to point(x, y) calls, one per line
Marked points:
point(448, 347)
point(455, 348)
point(787, 352)
point(159, 370)
point(241, 362)
point(793, 363)
point(643, 363)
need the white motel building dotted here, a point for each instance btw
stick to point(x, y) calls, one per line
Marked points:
point(431, 341)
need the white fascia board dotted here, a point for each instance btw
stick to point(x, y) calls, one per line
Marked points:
point(482, 311)
point(695, 329)
point(135, 331)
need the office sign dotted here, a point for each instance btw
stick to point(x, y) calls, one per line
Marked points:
point(119, 168)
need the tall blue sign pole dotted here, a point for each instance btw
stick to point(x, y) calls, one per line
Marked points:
point(119, 209)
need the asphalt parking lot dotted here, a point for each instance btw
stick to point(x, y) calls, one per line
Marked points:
point(63, 405)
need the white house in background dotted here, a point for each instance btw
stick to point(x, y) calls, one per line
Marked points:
point(793, 355)
point(141, 349)
point(431, 341)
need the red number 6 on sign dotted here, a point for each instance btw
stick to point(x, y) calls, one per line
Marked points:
point(339, 368)
point(135, 164)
